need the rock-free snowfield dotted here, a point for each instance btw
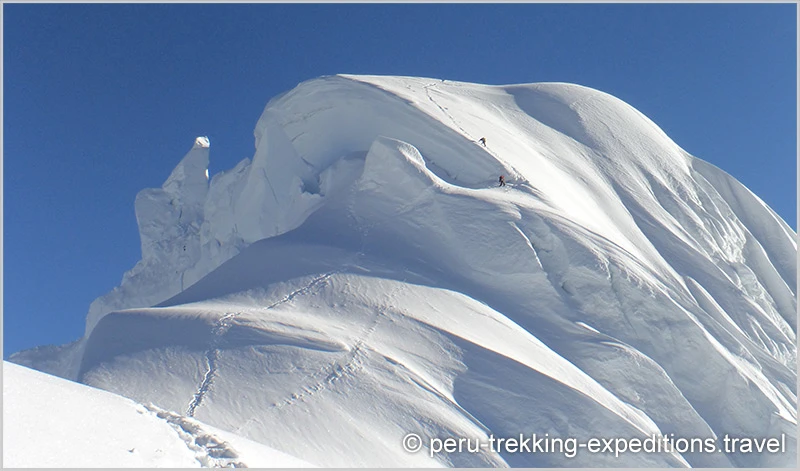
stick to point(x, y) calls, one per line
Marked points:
point(364, 278)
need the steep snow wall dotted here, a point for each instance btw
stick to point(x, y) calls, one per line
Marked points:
point(169, 220)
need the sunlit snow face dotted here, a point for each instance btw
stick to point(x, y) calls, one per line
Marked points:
point(202, 141)
point(206, 174)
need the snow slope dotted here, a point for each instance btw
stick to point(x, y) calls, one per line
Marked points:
point(362, 277)
point(50, 422)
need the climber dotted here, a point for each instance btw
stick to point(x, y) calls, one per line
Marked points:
point(502, 181)
point(483, 141)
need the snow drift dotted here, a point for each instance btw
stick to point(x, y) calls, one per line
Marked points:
point(362, 277)
point(50, 422)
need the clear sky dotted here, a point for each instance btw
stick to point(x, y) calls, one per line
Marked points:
point(101, 101)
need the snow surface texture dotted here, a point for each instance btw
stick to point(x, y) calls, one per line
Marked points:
point(50, 422)
point(363, 277)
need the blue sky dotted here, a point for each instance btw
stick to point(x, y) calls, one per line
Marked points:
point(101, 101)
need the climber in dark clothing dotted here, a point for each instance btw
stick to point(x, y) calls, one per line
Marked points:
point(502, 181)
point(482, 141)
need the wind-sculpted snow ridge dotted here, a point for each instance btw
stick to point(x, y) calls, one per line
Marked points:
point(363, 277)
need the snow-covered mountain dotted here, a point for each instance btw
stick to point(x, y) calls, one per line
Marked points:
point(363, 277)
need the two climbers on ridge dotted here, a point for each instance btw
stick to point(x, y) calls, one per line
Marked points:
point(502, 180)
